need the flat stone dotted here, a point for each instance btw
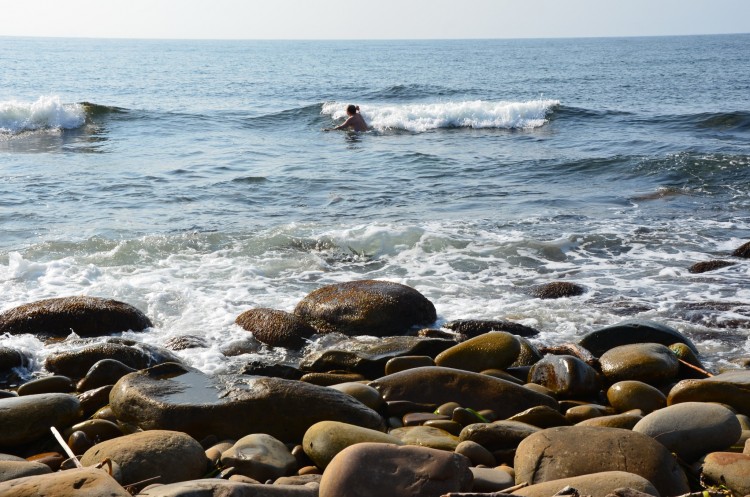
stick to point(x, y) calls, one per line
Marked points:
point(541, 417)
point(692, 429)
point(86, 482)
point(731, 388)
point(10, 470)
point(437, 385)
point(178, 398)
point(412, 472)
point(261, 457)
point(215, 487)
point(630, 332)
point(646, 362)
point(569, 451)
point(325, 439)
point(25, 419)
point(495, 349)
point(729, 469)
point(596, 485)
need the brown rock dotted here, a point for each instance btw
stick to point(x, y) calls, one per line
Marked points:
point(646, 362)
point(731, 388)
point(276, 328)
point(261, 457)
point(475, 327)
point(729, 469)
point(742, 251)
point(495, 349)
point(557, 290)
point(705, 266)
point(566, 376)
point(324, 440)
point(86, 482)
point(629, 394)
point(595, 485)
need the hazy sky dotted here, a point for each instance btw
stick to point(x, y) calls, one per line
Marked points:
point(370, 19)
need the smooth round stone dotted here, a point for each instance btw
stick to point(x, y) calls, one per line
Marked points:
point(631, 332)
point(213, 453)
point(276, 328)
point(411, 472)
point(447, 408)
point(363, 393)
point(646, 362)
point(595, 485)
point(446, 425)
point(496, 349)
point(729, 469)
point(323, 440)
point(24, 419)
point(567, 376)
point(500, 435)
point(466, 417)
point(490, 480)
point(97, 430)
point(730, 388)
point(104, 372)
point(85, 482)
point(541, 417)
point(10, 470)
point(79, 442)
point(426, 436)
point(396, 364)
point(50, 384)
point(578, 414)
point(419, 418)
point(568, 451)
point(261, 457)
point(629, 394)
point(692, 429)
point(170, 455)
point(241, 486)
point(540, 389)
point(476, 453)
point(623, 421)
point(438, 385)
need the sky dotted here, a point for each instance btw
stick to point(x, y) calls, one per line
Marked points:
point(370, 19)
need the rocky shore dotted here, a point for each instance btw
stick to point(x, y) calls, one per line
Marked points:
point(473, 408)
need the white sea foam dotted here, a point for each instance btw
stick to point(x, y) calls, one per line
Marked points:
point(419, 117)
point(48, 112)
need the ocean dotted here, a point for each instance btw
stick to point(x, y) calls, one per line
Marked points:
point(193, 180)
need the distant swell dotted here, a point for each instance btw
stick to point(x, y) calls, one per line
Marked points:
point(465, 114)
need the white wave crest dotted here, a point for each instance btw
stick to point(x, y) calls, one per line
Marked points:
point(48, 112)
point(466, 114)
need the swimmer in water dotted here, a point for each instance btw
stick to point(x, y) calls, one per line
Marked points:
point(355, 120)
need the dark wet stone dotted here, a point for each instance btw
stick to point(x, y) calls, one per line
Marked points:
point(370, 357)
point(632, 331)
point(49, 384)
point(175, 397)
point(742, 251)
point(731, 388)
point(75, 363)
point(436, 385)
point(94, 399)
point(104, 372)
point(705, 266)
point(566, 376)
point(500, 435)
point(12, 358)
point(276, 328)
point(556, 290)
point(366, 307)
point(528, 355)
point(650, 363)
point(86, 316)
point(25, 419)
point(629, 394)
point(258, 368)
point(401, 363)
point(494, 349)
point(183, 342)
point(435, 333)
point(475, 327)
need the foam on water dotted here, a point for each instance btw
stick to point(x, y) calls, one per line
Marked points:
point(419, 117)
point(47, 112)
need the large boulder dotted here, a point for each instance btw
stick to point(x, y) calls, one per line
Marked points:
point(632, 331)
point(86, 316)
point(85, 482)
point(76, 362)
point(175, 397)
point(492, 350)
point(557, 453)
point(731, 388)
point(650, 363)
point(595, 485)
point(167, 456)
point(275, 328)
point(692, 429)
point(436, 385)
point(366, 307)
point(25, 419)
point(395, 471)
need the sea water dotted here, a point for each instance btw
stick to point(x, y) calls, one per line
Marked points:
point(193, 180)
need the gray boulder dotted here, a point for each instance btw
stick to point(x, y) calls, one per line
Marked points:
point(25, 419)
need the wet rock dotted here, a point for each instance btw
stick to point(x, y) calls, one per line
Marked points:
point(557, 453)
point(86, 316)
point(402, 363)
point(630, 332)
point(412, 472)
point(178, 398)
point(651, 363)
point(705, 266)
point(49, 384)
point(276, 328)
point(369, 358)
point(500, 435)
point(93, 400)
point(12, 358)
point(86, 482)
point(692, 429)
point(97, 430)
point(742, 251)
point(490, 480)
point(622, 421)
point(75, 363)
point(169, 455)
point(247, 345)
point(566, 376)
point(436, 385)
point(53, 460)
point(541, 417)
point(475, 327)
point(363, 393)
point(10, 470)
point(324, 440)
point(426, 436)
point(183, 342)
point(596, 485)
point(557, 290)
point(731, 388)
point(366, 307)
point(261, 457)
point(25, 419)
point(258, 368)
point(104, 372)
point(331, 378)
point(629, 394)
point(729, 469)
point(495, 349)
point(528, 355)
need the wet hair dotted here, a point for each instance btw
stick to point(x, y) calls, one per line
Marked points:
point(352, 109)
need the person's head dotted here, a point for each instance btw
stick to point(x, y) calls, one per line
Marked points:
point(352, 109)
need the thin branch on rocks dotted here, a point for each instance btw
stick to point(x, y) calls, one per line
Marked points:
point(694, 367)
